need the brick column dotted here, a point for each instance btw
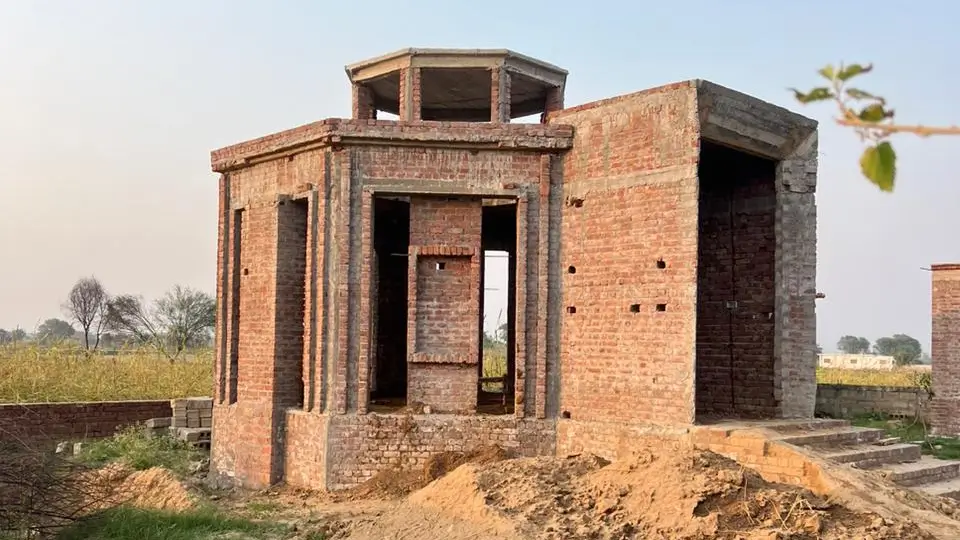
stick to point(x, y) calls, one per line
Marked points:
point(363, 107)
point(500, 96)
point(410, 99)
point(795, 355)
point(554, 102)
point(945, 335)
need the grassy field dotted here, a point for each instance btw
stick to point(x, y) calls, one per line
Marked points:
point(31, 374)
point(865, 377)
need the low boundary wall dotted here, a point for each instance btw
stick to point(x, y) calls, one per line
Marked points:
point(73, 421)
point(845, 401)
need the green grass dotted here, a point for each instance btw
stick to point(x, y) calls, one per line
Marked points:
point(133, 524)
point(134, 448)
point(33, 374)
point(910, 431)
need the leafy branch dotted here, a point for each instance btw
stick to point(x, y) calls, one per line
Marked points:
point(872, 119)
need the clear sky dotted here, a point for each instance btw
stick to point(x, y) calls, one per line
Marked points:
point(108, 111)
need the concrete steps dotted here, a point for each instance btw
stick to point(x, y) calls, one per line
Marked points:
point(870, 456)
point(868, 448)
point(927, 470)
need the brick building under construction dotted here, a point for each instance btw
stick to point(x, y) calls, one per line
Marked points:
point(662, 265)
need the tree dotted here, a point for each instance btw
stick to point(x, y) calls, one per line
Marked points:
point(17, 335)
point(54, 330)
point(87, 304)
point(870, 117)
point(854, 345)
point(903, 348)
point(180, 319)
point(5, 337)
point(819, 349)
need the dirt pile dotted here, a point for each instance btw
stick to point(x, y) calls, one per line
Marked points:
point(662, 492)
point(396, 483)
point(154, 488)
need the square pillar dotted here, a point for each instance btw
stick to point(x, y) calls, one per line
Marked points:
point(500, 96)
point(363, 107)
point(410, 96)
point(945, 348)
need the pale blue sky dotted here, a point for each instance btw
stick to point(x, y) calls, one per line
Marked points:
point(108, 111)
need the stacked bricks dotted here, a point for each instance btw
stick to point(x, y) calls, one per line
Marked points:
point(945, 348)
point(848, 401)
point(195, 412)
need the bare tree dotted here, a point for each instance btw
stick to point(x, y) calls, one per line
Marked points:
point(181, 318)
point(87, 304)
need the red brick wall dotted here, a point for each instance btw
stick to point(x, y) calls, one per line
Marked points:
point(305, 449)
point(361, 446)
point(737, 245)
point(335, 311)
point(945, 311)
point(631, 188)
point(444, 295)
point(71, 421)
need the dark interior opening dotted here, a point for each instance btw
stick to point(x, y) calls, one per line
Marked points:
point(236, 263)
point(391, 241)
point(735, 285)
point(495, 393)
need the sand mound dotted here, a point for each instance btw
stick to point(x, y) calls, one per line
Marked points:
point(665, 491)
point(396, 483)
point(155, 488)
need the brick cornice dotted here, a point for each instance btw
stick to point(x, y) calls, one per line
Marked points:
point(337, 131)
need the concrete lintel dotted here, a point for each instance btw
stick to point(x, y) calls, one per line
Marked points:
point(549, 78)
point(385, 186)
point(751, 124)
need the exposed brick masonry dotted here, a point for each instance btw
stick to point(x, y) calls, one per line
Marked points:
point(66, 421)
point(945, 348)
point(612, 251)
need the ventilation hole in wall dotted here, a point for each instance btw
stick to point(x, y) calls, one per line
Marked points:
point(571, 269)
point(565, 414)
point(441, 266)
point(661, 307)
point(571, 309)
point(661, 264)
point(634, 308)
point(246, 271)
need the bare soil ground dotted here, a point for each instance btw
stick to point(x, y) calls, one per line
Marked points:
point(663, 491)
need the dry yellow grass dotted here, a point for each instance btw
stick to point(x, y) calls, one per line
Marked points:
point(31, 374)
point(868, 377)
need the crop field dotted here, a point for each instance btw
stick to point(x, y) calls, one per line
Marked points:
point(33, 374)
point(870, 377)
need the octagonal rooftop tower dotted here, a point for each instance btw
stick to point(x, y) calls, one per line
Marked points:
point(460, 85)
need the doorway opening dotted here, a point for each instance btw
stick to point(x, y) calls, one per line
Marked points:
point(498, 268)
point(391, 242)
point(735, 285)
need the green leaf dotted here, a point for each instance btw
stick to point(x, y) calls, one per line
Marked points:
point(817, 94)
point(827, 72)
point(853, 70)
point(879, 165)
point(856, 93)
point(875, 113)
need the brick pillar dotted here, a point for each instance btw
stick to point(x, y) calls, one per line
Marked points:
point(795, 335)
point(500, 96)
point(554, 102)
point(410, 100)
point(363, 107)
point(945, 313)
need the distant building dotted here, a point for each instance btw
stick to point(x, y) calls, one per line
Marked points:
point(856, 361)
